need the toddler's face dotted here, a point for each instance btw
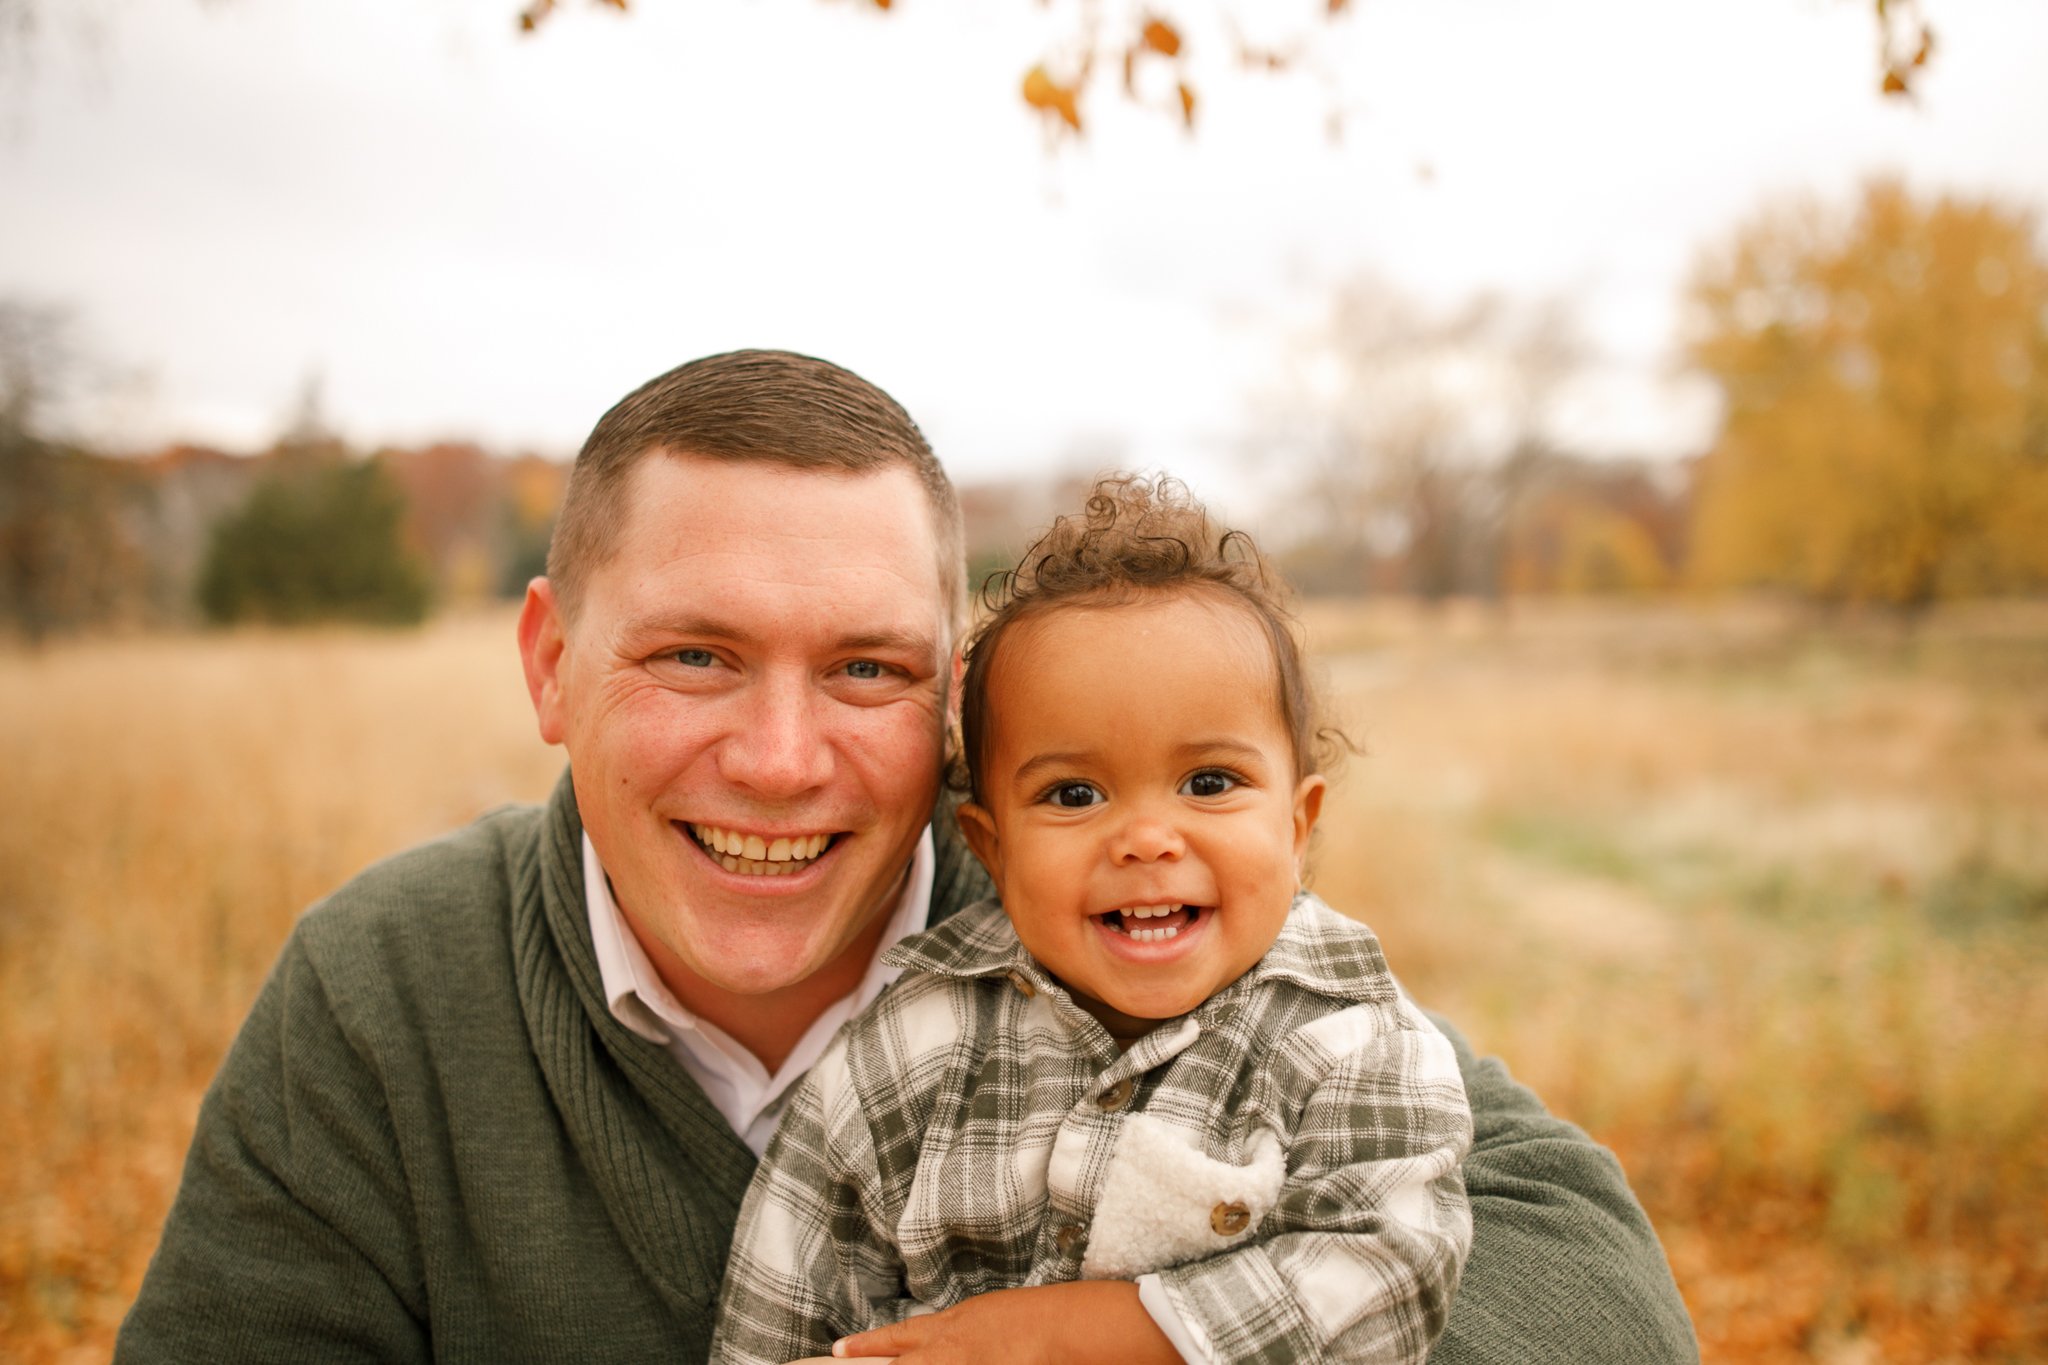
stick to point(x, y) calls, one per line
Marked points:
point(1140, 813)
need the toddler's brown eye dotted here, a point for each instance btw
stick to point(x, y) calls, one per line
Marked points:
point(1074, 794)
point(1208, 784)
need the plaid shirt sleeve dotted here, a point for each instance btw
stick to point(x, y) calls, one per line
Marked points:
point(1360, 1255)
point(807, 1265)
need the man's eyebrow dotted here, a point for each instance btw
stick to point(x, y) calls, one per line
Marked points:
point(918, 642)
point(687, 627)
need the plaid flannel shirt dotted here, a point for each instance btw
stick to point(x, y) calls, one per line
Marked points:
point(1285, 1157)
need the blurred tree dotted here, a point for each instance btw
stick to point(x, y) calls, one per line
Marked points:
point(1598, 526)
point(319, 539)
point(67, 558)
point(453, 515)
point(1885, 375)
point(1421, 435)
point(533, 492)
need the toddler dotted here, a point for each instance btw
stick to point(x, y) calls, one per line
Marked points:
point(1156, 1059)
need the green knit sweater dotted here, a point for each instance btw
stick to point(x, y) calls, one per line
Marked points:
point(432, 1141)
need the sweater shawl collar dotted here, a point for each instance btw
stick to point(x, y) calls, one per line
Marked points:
point(668, 1169)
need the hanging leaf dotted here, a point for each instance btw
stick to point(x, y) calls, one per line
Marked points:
point(1161, 37)
point(1187, 107)
point(1906, 46)
point(1052, 99)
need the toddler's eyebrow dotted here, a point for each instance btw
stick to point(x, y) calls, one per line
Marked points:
point(1219, 748)
point(1038, 763)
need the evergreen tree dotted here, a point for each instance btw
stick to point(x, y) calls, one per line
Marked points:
point(318, 540)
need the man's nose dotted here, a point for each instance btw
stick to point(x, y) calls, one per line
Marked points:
point(778, 747)
point(1147, 838)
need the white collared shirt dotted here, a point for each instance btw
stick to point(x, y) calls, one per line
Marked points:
point(732, 1077)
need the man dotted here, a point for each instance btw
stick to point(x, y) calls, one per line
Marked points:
point(501, 1096)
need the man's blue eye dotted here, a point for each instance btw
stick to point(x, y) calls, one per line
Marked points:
point(1075, 795)
point(1208, 784)
point(695, 658)
point(864, 668)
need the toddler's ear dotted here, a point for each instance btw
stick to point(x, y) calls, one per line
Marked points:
point(1308, 805)
point(979, 829)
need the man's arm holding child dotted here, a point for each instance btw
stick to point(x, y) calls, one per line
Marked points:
point(1565, 1266)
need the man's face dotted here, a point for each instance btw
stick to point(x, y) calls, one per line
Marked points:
point(752, 694)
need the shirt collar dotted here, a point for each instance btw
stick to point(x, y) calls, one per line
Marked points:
point(979, 942)
point(635, 992)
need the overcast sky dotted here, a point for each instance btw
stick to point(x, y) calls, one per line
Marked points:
point(466, 233)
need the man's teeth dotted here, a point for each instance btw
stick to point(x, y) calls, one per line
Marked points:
point(756, 856)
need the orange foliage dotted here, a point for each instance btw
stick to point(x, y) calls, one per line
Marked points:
point(1160, 37)
point(1052, 99)
point(1905, 44)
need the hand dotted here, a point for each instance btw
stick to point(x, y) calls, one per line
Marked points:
point(1059, 1324)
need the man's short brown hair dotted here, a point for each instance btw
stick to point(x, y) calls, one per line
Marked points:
point(772, 406)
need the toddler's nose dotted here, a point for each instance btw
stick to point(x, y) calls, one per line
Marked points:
point(1147, 839)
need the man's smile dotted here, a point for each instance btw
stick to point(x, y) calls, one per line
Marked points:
point(756, 855)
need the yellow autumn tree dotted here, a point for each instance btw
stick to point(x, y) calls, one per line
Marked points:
point(1885, 374)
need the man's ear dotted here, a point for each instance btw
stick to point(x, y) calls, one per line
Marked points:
point(543, 639)
point(1308, 805)
point(978, 827)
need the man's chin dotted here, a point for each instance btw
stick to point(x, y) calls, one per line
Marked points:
point(761, 959)
point(701, 935)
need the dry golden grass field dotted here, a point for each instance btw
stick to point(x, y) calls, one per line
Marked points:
point(1763, 907)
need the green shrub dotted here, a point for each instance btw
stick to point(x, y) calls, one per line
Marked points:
point(317, 540)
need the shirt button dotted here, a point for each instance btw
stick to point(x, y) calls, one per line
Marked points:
point(1114, 1098)
point(1230, 1219)
point(1022, 983)
point(1069, 1239)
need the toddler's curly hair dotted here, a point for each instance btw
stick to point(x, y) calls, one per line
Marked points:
point(1136, 537)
